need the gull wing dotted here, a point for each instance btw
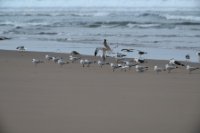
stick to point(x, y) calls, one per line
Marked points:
point(96, 51)
point(107, 46)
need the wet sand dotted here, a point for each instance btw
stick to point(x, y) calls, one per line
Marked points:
point(72, 99)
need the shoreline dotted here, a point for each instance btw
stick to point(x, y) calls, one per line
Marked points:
point(66, 47)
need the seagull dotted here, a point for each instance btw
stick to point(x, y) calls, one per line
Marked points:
point(187, 57)
point(169, 68)
point(82, 62)
point(48, 57)
point(114, 66)
point(190, 68)
point(125, 67)
point(75, 53)
point(139, 68)
point(101, 63)
point(21, 48)
point(36, 61)
point(127, 63)
point(55, 59)
point(120, 55)
point(174, 62)
point(139, 60)
point(158, 69)
point(141, 52)
point(103, 49)
point(61, 62)
point(73, 58)
point(88, 63)
point(127, 50)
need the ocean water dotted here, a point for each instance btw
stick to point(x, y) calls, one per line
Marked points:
point(163, 32)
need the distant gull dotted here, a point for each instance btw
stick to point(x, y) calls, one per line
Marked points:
point(187, 56)
point(129, 65)
point(127, 50)
point(82, 62)
point(21, 48)
point(125, 67)
point(139, 60)
point(120, 55)
point(75, 53)
point(175, 62)
point(55, 59)
point(140, 68)
point(73, 58)
point(103, 49)
point(86, 62)
point(48, 57)
point(36, 61)
point(141, 52)
point(190, 68)
point(61, 62)
point(115, 66)
point(102, 63)
point(158, 69)
point(169, 68)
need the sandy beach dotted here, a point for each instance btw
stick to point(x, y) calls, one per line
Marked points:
point(72, 99)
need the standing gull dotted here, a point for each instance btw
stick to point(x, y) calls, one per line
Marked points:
point(169, 68)
point(36, 61)
point(120, 55)
point(48, 57)
point(158, 69)
point(137, 60)
point(125, 67)
point(139, 68)
point(21, 48)
point(101, 63)
point(55, 59)
point(175, 62)
point(190, 68)
point(82, 62)
point(73, 58)
point(103, 49)
point(187, 57)
point(86, 62)
point(115, 66)
point(61, 62)
point(129, 65)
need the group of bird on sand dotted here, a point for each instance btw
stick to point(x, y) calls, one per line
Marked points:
point(120, 61)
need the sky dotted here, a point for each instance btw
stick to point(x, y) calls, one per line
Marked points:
point(99, 3)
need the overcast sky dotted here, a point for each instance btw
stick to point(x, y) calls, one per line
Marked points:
point(132, 3)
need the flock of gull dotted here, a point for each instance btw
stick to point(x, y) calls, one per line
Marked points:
point(120, 61)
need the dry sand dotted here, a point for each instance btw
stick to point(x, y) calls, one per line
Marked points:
point(72, 99)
